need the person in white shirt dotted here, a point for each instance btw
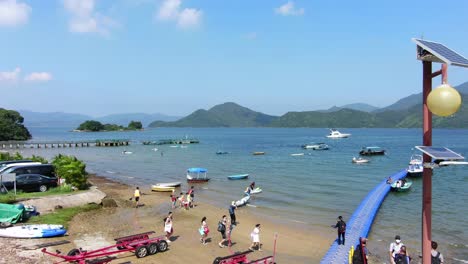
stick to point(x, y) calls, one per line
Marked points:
point(395, 248)
point(255, 236)
point(436, 255)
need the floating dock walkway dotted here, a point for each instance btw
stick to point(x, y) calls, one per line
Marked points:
point(64, 144)
point(360, 222)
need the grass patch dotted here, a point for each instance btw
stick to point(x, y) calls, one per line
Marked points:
point(62, 216)
point(20, 196)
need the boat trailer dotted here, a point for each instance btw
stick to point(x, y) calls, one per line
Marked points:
point(141, 244)
point(241, 258)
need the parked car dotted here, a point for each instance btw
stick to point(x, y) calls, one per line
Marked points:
point(32, 182)
point(4, 167)
point(42, 169)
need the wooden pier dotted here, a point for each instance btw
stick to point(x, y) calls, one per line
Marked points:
point(64, 144)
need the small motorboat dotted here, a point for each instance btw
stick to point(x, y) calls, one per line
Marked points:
point(316, 146)
point(415, 168)
point(256, 190)
point(219, 152)
point(359, 160)
point(258, 153)
point(336, 134)
point(238, 177)
point(168, 184)
point(401, 185)
point(156, 188)
point(371, 151)
point(127, 152)
point(33, 231)
point(297, 154)
point(243, 201)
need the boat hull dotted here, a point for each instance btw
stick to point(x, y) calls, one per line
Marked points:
point(258, 153)
point(197, 180)
point(238, 177)
point(155, 188)
point(33, 231)
point(372, 153)
point(168, 184)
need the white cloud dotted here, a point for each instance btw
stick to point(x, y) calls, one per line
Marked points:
point(288, 9)
point(10, 76)
point(170, 10)
point(13, 13)
point(84, 19)
point(38, 77)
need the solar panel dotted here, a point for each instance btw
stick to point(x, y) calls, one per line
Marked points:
point(440, 153)
point(433, 51)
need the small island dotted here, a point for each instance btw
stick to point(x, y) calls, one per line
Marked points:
point(96, 126)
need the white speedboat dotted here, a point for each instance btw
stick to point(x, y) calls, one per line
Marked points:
point(415, 168)
point(359, 160)
point(336, 134)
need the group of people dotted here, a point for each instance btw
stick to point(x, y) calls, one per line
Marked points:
point(184, 200)
point(398, 252)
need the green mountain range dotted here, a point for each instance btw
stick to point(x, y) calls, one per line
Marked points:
point(406, 112)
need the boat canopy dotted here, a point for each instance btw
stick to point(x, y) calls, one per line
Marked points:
point(374, 148)
point(197, 170)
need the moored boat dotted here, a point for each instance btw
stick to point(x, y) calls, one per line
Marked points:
point(337, 134)
point(168, 184)
point(238, 177)
point(258, 153)
point(359, 160)
point(197, 175)
point(33, 231)
point(371, 151)
point(401, 185)
point(219, 152)
point(415, 168)
point(316, 146)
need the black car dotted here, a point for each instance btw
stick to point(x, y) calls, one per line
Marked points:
point(42, 169)
point(32, 182)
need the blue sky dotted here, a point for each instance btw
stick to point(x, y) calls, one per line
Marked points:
point(101, 57)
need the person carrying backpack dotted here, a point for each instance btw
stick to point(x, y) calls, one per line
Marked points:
point(222, 230)
point(360, 253)
point(436, 256)
point(341, 225)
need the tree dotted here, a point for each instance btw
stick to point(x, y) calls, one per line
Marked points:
point(72, 170)
point(135, 125)
point(11, 126)
point(91, 125)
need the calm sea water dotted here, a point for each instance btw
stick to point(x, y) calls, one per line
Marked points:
point(311, 189)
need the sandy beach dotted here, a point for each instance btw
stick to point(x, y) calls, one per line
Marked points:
point(98, 228)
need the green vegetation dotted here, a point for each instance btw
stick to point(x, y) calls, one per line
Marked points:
point(62, 216)
point(10, 197)
point(11, 126)
point(72, 170)
point(95, 126)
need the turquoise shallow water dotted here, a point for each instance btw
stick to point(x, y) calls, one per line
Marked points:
point(311, 190)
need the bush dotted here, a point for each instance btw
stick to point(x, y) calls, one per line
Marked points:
point(72, 170)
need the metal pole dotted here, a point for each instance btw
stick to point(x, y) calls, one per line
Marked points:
point(427, 172)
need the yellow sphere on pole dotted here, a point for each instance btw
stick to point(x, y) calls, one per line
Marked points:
point(444, 100)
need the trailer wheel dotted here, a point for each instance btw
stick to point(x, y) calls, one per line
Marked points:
point(162, 246)
point(73, 252)
point(141, 252)
point(217, 260)
point(152, 248)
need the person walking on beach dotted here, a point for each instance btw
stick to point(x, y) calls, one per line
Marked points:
point(255, 236)
point(173, 200)
point(136, 195)
point(395, 248)
point(181, 200)
point(436, 256)
point(222, 229)
point(168, 227)
point(341, 225)
point(232, 213)
point(204, 230)
point(192, 194)
point(188, 203)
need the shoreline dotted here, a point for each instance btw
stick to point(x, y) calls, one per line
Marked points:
point(98, 228)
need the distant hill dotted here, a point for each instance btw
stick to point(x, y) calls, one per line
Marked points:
point(125, 119)
point(357, 106)
point(223, 115)
point(54, 119)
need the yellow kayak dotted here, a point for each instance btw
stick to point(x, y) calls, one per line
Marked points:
point(156, 188)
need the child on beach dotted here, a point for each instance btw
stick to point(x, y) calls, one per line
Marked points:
point(168, 227)
point(173, 201)
point(192, 194)
point(188, 203)
point(136, 195)
point(204, 230)
point(255, 236)
point(181, 200)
